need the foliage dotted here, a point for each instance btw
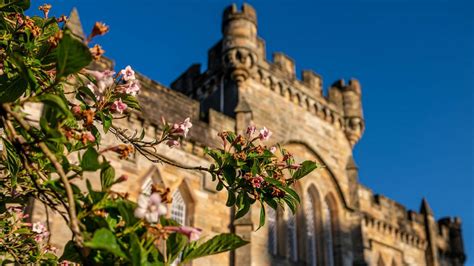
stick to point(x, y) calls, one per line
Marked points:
point(43, 62)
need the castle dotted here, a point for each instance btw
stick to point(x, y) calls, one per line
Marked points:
point(340, 221)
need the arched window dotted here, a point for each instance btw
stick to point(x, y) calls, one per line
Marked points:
point(292, 237)
point(146, 187)
point(310, 215)
point(272, 231)
point(328, 237)
point(178, 213)
point(380, 262)
point(178, 208)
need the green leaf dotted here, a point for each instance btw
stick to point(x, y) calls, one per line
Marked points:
point(71, 253)
point(262, 215)
point(88, 92)
point(230, 198)
point(138, 254)
point(272, 203)
point(56, 102)
point(174, 245)
point(11, 88)
point(306, 168)
point(131, 101)
point(73, 55)
point(14, 5)
point(106, 122)
point(13, 161)
point(244, 205)
point(217, 244)
point(219, 186)
point(107, 177)
point(229, 174)
point(290, 204)
point(126, 209)
point(105, 240)
point(291, 192)
point(90, 160)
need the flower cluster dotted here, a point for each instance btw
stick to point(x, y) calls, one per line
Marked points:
point(43, 62)
point(172, 134)
point(41, 231)
point(150, 208)
point(251, 171)
point(26, 237)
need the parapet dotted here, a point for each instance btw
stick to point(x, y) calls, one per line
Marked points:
point(247, 12)
point(185, 82)
point(313, 81)
point(285, 64)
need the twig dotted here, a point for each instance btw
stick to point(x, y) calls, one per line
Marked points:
point(73, 222)
point(149, 154)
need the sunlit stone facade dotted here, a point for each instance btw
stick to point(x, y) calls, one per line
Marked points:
point(348, 223)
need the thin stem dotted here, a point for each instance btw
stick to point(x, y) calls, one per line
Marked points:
point(73, 222)
point(165, 254)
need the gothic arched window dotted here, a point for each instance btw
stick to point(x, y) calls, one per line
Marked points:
point(328, 236)
point(292, 237)
point(272, 231)
point(178, 208)
point(310, 230)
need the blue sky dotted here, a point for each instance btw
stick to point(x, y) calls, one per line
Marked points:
point(414, 60)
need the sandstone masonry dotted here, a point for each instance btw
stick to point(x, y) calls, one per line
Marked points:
point(348, 225)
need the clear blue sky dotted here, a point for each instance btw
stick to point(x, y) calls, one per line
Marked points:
point(414, 60)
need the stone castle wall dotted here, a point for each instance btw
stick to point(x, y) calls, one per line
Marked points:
point(241, 86)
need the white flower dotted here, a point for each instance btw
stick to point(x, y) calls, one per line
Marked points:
point(182, 128)
point(264, 134)
point(150, 208)
point(103, 80)
point(132, 87)
point(38, 228)
point(128, 73)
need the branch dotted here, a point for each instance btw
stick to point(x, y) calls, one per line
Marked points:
point(73, 222)
point(153, 156)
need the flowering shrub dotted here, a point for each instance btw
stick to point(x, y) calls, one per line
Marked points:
point(42, 62)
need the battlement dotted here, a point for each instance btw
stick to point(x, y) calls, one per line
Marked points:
point(247, 12)
point(384, 208)
point(239, 58)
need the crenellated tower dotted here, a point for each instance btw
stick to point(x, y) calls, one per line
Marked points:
point(348, 98)
point(338, 215)
point(239, 42)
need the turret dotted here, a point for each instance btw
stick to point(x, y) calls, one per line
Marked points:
point(456, 252)
point(348, 98)
point(239, 42)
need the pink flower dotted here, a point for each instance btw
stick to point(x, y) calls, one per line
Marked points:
point(40, 230)
point(118, 106)
point(264, 134)
point(182, 128)
point(122, 178)
point(76, 110)
point(273, 149)
point(38, 227)
point(294, 166)
point(65, 263)
point(128, 73)
point(257, 181)
point(150, 208)
point(251, 130)
point(172, 143)
point(191, 232)
point(103, 80)
point(87, 137)
point(132, 87)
